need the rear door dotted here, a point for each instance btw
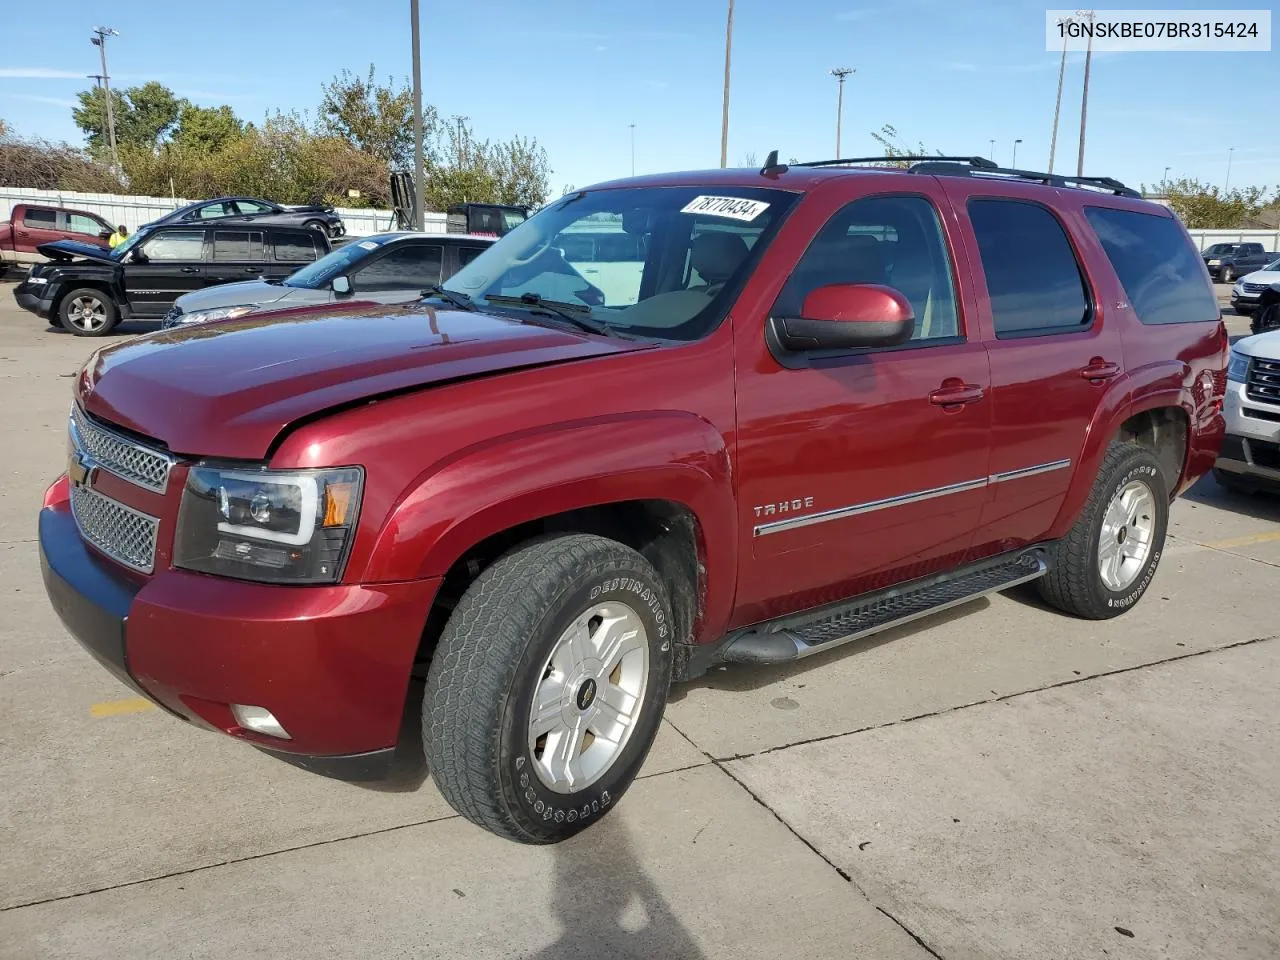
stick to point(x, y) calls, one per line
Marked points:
point(37, 225)
point(235, 255)
point(1054, 347)
point(162, 268)
point(459, 255)
point(400, 274)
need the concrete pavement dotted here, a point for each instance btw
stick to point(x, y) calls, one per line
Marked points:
point(997, 782)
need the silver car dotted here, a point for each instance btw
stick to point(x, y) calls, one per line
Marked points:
point(383, 268)
point(1250, 457)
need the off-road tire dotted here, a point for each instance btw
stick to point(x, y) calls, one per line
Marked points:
point(1074, 583)
point(1227, 275)
point(110, 314)
point(490, 660)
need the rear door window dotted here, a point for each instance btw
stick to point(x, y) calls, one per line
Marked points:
point(1034, 281)
point(410, 267)
point(1162, 275)
point(175, 245)
point(40, 219)
point(238, 245)
point(467, 254)
point(297, 247)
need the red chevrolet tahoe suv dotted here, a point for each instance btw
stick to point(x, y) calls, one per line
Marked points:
point(775, 411)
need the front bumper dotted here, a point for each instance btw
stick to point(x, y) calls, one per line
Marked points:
point(33, 302)
point(331, 663)
point(1252, 445)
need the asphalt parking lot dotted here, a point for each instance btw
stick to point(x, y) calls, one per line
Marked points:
point(999, 781)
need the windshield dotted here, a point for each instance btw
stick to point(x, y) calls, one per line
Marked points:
point(659, 262)
point(1221, 248)
point(334, 264)
point(1274, 265)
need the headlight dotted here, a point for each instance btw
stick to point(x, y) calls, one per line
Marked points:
point(221, 313)
point(1237, 367)
point(33, 281)
point(277, 526)
point(1214, 263)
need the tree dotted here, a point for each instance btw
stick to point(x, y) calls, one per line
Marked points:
point(887, 136)
point(144, 115)
point(207, 128)
point(41, 165)
point(467, 170)
point(376, 118)
point(1203, 206)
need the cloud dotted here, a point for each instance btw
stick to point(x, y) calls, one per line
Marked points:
point(961, 67)
point(601, 48)
point(39, 73)
point(656, 84)
point(32, 98)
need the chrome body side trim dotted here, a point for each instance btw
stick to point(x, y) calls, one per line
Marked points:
point(853, 510)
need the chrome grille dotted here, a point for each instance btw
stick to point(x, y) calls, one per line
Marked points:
point(1263, 384)
point(126, 459)
point(1255, 287)
point(122, 533)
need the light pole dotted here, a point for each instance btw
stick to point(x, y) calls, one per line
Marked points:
point(840, 73)
point(993, 149)
point(99, 78)
point(633, 149)
point(1057, 104)
point(1164, 181)
point(1015, 154)
point(1084, 96)
point(419, 183)
point(1227, 183)
point(99, 40)
point(724, 110)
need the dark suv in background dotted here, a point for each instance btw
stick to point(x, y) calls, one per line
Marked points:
point(319, 217)
point(89, 290)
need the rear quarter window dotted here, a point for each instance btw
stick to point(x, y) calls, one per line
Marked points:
point(1162, 274)
point(297, 247)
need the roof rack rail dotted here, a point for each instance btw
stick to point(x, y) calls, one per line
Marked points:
point(982, 167)
point(982, 162)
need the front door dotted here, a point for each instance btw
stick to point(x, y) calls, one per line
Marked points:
point(162, 268)
point(399, 274)
point(862, 470)
point(1054, 348)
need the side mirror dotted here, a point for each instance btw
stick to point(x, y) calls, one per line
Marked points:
point(847, 316)
point(341, 286)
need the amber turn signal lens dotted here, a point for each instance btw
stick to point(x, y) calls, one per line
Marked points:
point(338, 498)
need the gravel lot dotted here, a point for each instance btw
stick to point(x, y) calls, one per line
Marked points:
point(998, 781)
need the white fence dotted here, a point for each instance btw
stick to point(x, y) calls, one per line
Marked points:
point(1270, 239)
point(133, 212)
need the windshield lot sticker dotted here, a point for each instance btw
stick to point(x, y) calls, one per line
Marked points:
point(367, 245)
point(734, 208)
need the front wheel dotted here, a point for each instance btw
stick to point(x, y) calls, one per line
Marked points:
point(87, 313)
point(547, 687)
point(1227, 275)
point(318, 225)
point(1104, 565)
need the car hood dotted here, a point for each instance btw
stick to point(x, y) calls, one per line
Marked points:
point(245, 292)
point(228, 388)
point(1261, 276)
point(1265, 345)
point(64, 250)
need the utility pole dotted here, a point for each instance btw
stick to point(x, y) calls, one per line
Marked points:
point(106, 137)
point(724, 111)
point(1015, 154)
point(840, 73)
point(633, 149)
point(1227, 183)
point(1064, 23)
point(993, 149)
point(99, 40)
point(1084, 96)
point(419, 184)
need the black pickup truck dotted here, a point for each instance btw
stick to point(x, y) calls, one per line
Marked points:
point(1226, 261)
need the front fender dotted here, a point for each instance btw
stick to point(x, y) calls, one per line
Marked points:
point(517, 479)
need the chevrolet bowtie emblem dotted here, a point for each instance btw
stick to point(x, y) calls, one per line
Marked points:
point(80, 470)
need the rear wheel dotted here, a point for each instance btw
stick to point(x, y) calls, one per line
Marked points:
point(318, 225)
point(1104, 565)
point(547, 687)
point(87, 312)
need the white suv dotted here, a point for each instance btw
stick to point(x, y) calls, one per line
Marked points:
point(1250, 458)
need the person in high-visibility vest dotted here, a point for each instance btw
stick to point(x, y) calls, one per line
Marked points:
point(117, 238)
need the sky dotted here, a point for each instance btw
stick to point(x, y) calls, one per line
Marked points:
point(575, 74)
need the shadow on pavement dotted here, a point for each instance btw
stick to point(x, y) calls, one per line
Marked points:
point(608, 906)
point(1260, 506)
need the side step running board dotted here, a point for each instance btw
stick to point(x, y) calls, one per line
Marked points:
point(793, 638)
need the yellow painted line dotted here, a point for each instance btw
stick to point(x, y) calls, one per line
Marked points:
point(115, 708)
point(1248, 541)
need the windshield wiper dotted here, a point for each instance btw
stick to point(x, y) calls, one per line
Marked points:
point(571, 312)
point(459, 300)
